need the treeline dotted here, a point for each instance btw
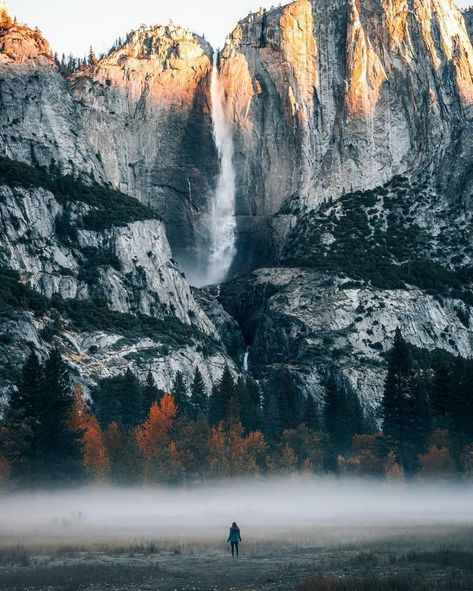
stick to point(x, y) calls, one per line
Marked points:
point(130, 432)
point(70, 64)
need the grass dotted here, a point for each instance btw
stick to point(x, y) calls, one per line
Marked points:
point(76, 576)
point(389, 583)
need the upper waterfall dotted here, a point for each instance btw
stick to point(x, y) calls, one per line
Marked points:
point(222, 221)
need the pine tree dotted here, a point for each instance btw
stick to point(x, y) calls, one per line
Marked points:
point(151, 393)
point(310, 417)
point(58, 446)
point(92, 58)
point(289, 399)
point(222, 393)
point(332, 409)
point(181, 395)
point(22, 415)
point(131, 400)
point(442, 390)
point(342, 415)
point(272, 422)
point(199, 398)
point(403, 405)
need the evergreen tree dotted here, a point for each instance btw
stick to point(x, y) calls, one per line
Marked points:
point(181, 395)
point(151, 393)
point(199, 398)
point(92, 58)
point(249, 396)
point(131, 400)
point(343, 417)
point(272, 422)
point(222, 393)
point(442, 390)
point(22, 415)
point(289, 399)
point(403, 405)
point(310, 417)
point(59, 451)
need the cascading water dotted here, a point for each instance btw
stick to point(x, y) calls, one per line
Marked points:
point(222, 220)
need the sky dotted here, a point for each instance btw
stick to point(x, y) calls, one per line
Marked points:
point(73, 25)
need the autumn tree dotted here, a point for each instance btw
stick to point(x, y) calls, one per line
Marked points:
point(369, 453)
point(95, 458)
point(437, 463)
point(124, 457)
point(255, 453)
point(153, 436)
point(219, 464)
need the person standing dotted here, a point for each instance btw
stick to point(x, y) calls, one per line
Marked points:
point(234, 538)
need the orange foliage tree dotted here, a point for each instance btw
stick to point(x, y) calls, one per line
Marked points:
point(255, 451)
point(95, 458)
point(437, 462)
point(219, 464)
point(368, 455)
point(4, 471)
point(153, 437)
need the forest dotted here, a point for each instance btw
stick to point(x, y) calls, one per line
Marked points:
point(129, 432)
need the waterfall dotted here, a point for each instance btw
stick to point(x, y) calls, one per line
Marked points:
point(222, 219)
point(245, 360)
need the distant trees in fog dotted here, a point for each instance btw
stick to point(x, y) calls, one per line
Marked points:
point(131, 432)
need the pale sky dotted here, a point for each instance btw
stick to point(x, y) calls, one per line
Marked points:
point(73, 25)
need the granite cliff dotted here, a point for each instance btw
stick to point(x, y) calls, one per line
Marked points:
point(352, 138)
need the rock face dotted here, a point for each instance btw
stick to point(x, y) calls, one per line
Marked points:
point(39, 121)
point(147, 114)
point(352, 125)
point(127, 268)
point(312, 324)
point(338, 95)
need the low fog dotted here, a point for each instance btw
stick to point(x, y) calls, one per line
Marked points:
point(291, 509)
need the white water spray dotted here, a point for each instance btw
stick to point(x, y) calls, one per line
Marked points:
point(222, 222)
point(245, 360)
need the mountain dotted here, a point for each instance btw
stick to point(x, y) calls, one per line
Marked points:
point(146, 111)
point(351, 131)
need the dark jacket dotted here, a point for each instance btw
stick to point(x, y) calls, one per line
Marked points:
point(234, 535)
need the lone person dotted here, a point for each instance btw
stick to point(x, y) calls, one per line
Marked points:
point(234, 537)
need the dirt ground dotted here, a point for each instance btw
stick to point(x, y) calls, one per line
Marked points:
point(261, 566)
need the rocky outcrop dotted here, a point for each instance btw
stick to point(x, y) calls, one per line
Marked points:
point(333, 96)
point(39, 122)
point(146, 110)
point(313, 324)
point(111, 298)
